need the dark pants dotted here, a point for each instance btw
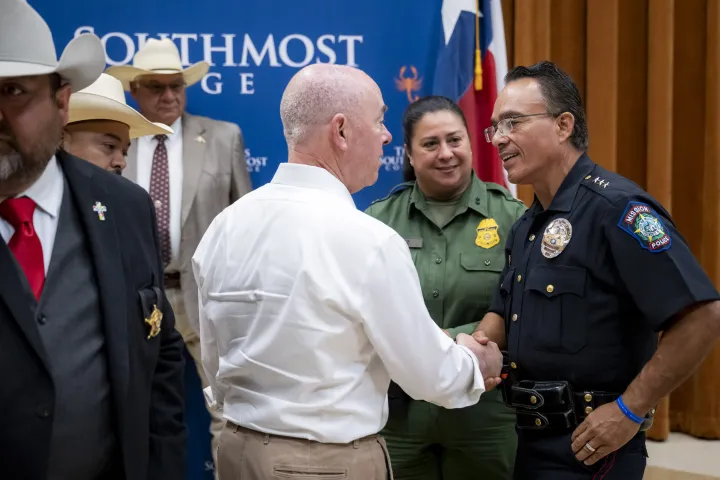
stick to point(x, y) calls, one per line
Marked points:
point(546, 456)
point(429, 442)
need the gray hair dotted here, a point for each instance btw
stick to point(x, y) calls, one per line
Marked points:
point(315, 95)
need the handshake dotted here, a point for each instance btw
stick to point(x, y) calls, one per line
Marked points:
point(488, 355)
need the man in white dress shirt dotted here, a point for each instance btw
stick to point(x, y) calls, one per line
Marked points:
point(305, 302)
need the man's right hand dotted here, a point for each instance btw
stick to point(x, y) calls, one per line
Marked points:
point(489, 358)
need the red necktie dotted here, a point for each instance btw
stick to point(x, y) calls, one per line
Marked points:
point(25, 243)
point(160, 193)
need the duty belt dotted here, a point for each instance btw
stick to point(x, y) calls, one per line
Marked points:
point(554, 404)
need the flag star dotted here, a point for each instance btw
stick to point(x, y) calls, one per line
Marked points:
point(451, 11)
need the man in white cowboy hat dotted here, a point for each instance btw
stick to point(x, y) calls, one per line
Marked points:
point(192, 175)
point(102, 124)
point(91, 366)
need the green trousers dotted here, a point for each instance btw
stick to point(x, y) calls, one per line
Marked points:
point(473, 443)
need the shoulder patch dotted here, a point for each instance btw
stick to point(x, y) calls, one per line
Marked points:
point(396, 189)
point(642, 223)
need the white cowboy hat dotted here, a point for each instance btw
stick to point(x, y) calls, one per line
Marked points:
point(105, 100)
point(158, 57)
point(27, 48)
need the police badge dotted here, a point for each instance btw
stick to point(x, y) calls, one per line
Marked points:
point(154, 322)
point(556, 237)
point(487, 233)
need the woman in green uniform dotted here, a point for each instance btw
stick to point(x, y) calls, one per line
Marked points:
point(455, 226)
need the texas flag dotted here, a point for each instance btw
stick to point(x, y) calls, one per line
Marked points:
point(474, 83)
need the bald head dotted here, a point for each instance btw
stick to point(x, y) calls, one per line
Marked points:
point(318, 92)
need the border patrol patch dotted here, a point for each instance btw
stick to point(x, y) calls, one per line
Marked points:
point(645, 226)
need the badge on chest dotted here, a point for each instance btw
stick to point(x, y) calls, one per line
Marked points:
point(487, 233)
point(556, 237)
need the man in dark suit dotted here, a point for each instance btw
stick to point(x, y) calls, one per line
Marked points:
point(91, 366)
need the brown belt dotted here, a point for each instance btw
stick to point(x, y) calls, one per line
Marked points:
point(172, 280)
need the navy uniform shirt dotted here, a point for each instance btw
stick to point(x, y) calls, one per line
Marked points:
point(590, 281)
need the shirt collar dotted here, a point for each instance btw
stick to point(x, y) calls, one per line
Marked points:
point(47, 191)
point(171, 137)
point(474, 198)
point(307, 176)
point(565, 196)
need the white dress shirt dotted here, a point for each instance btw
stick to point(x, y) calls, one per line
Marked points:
point(47, 193)
point(308, 307)
point(145, 152)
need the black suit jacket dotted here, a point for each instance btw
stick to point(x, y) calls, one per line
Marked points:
point(146, 375)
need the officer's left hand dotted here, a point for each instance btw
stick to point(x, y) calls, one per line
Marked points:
point(606, 430)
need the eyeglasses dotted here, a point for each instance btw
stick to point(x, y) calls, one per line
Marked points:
point(505, 126)
point(159, 88)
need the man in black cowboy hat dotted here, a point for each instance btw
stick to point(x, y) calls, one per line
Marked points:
point(91, 366)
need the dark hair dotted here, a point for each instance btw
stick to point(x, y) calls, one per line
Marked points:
point(561, 95)
point(414, 113)
point(56, 83)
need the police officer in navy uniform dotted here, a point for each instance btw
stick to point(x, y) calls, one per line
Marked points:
point(595, 269)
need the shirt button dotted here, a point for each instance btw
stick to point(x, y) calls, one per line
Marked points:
point(532, 237)
point(43, 411)
point(42, 319)
point(519, 278)
point(158, 204)
point(438, 261)
point(436, 294)
point(514, 317)
point(550, 288)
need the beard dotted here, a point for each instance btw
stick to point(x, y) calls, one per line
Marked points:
point(19, 167)
point(10, 164)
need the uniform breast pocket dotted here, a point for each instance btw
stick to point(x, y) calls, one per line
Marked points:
point(555, 304)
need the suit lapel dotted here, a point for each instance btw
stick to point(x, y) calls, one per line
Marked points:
point(193, 159)
point(130, 171)
point(105, 253)
point(20, 302)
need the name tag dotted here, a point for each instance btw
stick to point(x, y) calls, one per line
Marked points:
point(414, 242)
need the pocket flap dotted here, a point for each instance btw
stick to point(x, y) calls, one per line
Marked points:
point(486, 263)
point(553, 280)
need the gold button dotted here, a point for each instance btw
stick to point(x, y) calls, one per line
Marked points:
point(550, 288)
point(588, 177)
point(513, 365)
point(532, 237)
point(519, 278)
point(533, 399)
point(588, 397)
point(514, 317)
point(538, 422)
point(588, 410)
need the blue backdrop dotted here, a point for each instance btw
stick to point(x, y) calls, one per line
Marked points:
point(254, 48)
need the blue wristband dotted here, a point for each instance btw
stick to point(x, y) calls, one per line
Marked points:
point(627, 412)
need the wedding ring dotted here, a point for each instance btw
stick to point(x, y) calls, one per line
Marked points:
point(589, 448)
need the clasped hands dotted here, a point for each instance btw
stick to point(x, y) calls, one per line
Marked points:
point(488, 355)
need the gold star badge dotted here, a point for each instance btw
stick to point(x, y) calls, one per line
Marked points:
point(154, 322)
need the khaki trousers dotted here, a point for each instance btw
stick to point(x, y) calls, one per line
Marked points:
point(192, 343)
point(249, 455)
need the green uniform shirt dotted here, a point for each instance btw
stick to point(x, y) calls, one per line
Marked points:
point(458, 264)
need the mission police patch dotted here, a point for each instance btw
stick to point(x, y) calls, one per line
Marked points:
point(645, 226)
